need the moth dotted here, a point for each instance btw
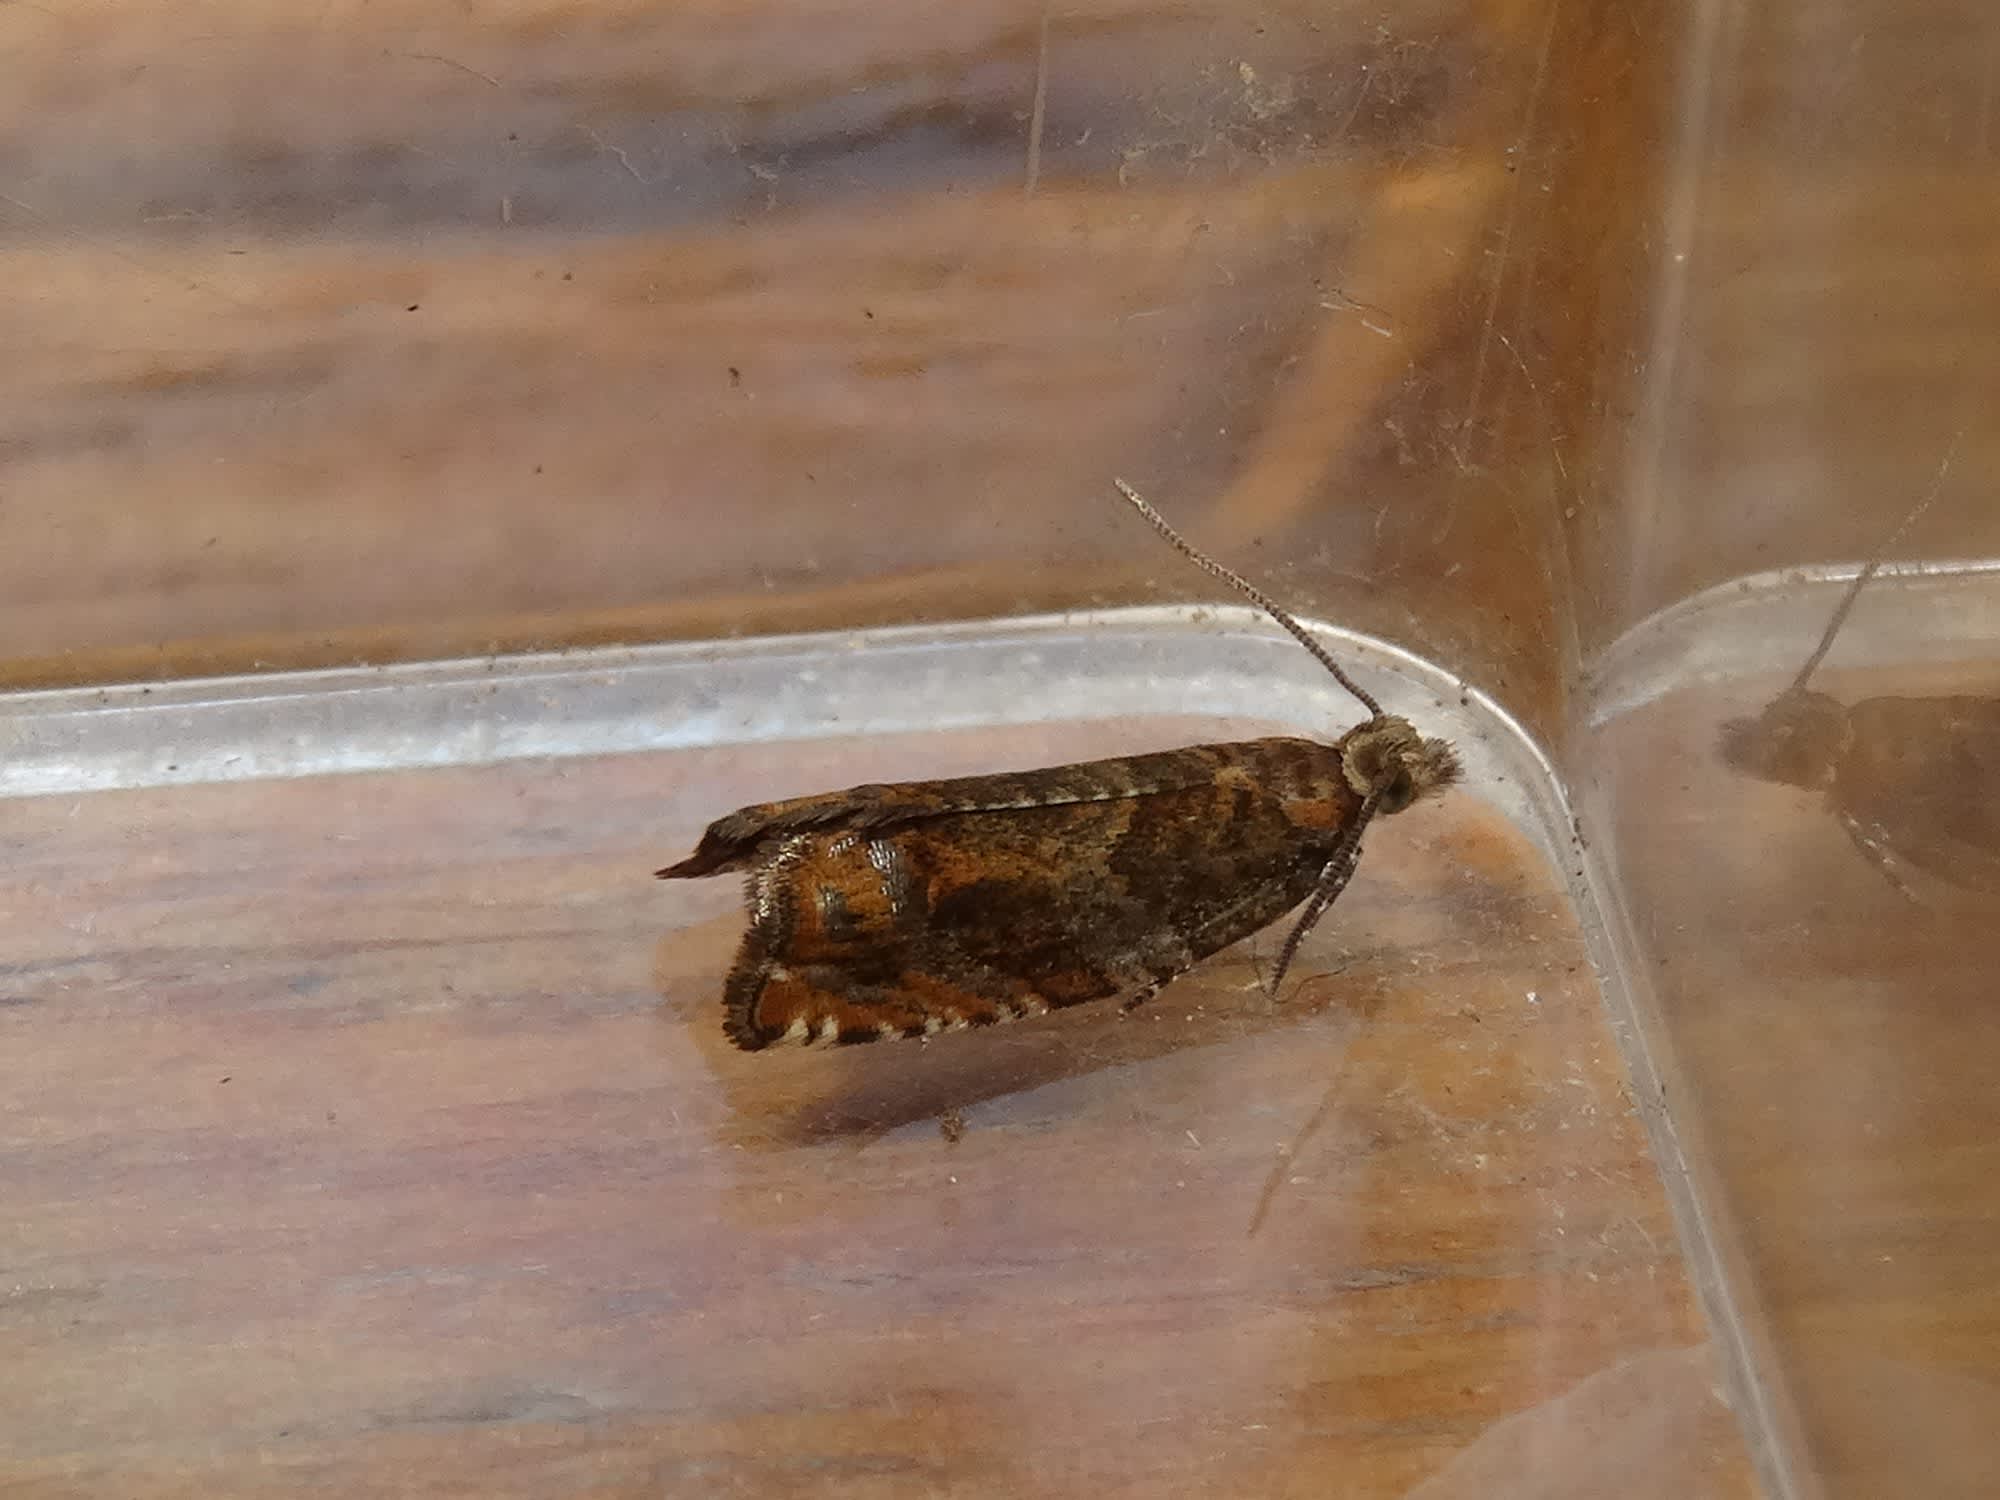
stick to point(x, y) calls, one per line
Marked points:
point(1914, 781)
point(913, 908)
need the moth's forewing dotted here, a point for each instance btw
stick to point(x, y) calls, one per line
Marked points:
point(1921, 778)
point(1077, 883)
point(740, 839)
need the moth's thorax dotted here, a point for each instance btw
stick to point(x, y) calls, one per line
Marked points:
point(1387, 759)
point(1799, 740)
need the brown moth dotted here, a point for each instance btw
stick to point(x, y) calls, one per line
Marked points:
point(908, 909)
point(1914, 782)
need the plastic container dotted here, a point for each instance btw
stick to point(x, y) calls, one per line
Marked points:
point(455, 456)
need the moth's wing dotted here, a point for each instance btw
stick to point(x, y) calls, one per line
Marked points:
point(843, 946)
point(966, 918)
point(1920, 781)
point(740, 839)
point(915, 987)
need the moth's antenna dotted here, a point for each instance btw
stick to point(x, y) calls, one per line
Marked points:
point(1250, 591)
point(1874, 564)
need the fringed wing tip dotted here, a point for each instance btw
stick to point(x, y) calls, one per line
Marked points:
point(737, 841)
point(709, 859)
point(721, 849)
point(729, 843)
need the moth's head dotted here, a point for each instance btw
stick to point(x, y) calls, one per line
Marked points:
point(1388, 759)
point(1798, 740)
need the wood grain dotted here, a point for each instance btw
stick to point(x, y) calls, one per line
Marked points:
point(408, 329)
point(378, 1135)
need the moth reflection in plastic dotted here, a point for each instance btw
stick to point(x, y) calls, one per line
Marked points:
point(1914, 781)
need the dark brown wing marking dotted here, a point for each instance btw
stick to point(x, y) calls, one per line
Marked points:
point(961, 919)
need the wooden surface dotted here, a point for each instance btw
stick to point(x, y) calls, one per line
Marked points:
point(376, 1135)
point(410, 329)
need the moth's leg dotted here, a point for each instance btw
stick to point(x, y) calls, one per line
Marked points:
point(1878, 852)
point(1171, 956)
point(1332, 881)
